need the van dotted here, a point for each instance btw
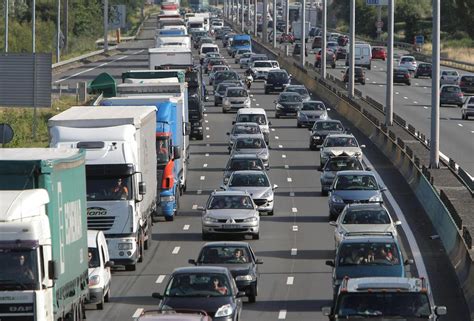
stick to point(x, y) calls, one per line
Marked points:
point(205, 48)
point(255, 115)
point(100, 276)
point(362, 55)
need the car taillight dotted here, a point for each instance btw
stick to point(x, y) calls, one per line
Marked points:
point(461, 83)
point(407, 76)
point(460, 95)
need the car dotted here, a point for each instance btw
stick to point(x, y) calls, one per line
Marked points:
point(255, 115)
point(401, 75)
point(311, 111)
point(297, 49)
point(408, 62)
point(466, 83)
point(285, 38)
point(230, 212)
point(332, 45)
point(467, 109)
point(260, 69)
point(341, 52)
point(239, 53)
point(299, 89)
point(362, 55)
point(387, 298)
point(330, 58)
point(451, 95)
point(379, 53)
point(343, 40)
point(220, 90)
point(251, 145)
point(244, 59)
point(321, 129)
point(244, 129)
point(277, 80)
point(235, 98)
point(423, 69)
point(239, 258)
point(339, 145)
point(216, 68)
point(206, 48)
point(317, 42)
point(195, 287)
point(449, 77)
point(257, 183)
point(196, 115)
point(254, 57)
point(353, 187)
point(288, 103)
point(221, 76)
point(209, 63)
point(337, 164)
point(167, 314)
point(364, 219)
point(359, 75)
point(242, 162)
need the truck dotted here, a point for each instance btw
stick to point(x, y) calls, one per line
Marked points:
point(196, 24)
point(296, 27)
point(120, 172)
point(43, 234)
point(241, 42)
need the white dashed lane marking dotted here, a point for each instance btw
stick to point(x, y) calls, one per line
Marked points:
point(160, 279)
point(203, 178)
point(207, 154)
point(204, 165)
point(460, 125)
point(280, 146)
point(186, 227)
point(137, 313)
point(283, 156)
point(194, 207)
point(294, 210)
point(281, 315)
point(176, 250)
point(295, 228)
point(289, 179)
point(290, 280)
point(294, 251)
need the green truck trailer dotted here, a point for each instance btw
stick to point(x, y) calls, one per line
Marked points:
point(43, 234)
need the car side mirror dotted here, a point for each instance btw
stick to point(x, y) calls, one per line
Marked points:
point(275, 186)
point(408, 262)
point(330, 263)
point(368, 169)
point(233, 122)
point(258, 261)
point(176, 153)
point(200, 208)
point(156, 295)
point(320, 169)
point(227, 133)
point(332, 223)
point(441, 310)
point(109, 264)
point(222, 187)
point(52, 270)
point(241, 294)
point(383, 189)
point(309, 128)
point(192, 261)
point(397, 223)
point(326, 311)
point(269, 123)
point(142, 188)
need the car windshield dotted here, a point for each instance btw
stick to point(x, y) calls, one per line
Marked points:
point(252, 143)
point(262, 64)
point(108, 188)
point(329, 126)
point(242, 51)
point(241, 42)
point(219, 68)
point(470, 100)
point(217, 62)
point(291, 98)
point(252, 118)
point(237, 93)
point(407, 59)
point(246, 55)
point(242, 180)
point(387, 303)
point(19, 266)
point(94, 260)
point(298, 90)
point(356, 182)
point(225, 255)
point(246, 129)
point(349, 164)
point(366, 216)
point(230, 202)
point(467, 78)
point(227, 76)
point(209, 49)
point(277, 76)
point(313, 106)
point(245, 164)
point(258, 58)
point(221, 89)
point(450, 73)
point(198, 285)
point(341, 142)
point(368, 253)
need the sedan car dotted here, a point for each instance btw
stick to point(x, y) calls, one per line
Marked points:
point(449, 77)
point(310, 112)
point(222, 76)
point(467, 109)
point(379, 53)
point(239, 258)
point(251, 145)
point(277, 80)
point(330, 59)
point(239, 53)
point(337, 164)
point(341, 53)
point(257, 183)
point(214, 70)
point(359, 75)
point(244, 130)
point(401, 76)
point(424, 69)
point(208, 288)
point(288, 103)
point(408, 62)
point(235, 98)
point(299, 89)
point(364, 219)
point(244, 59)
point(321, 129)
point(230, 212)
point(339, 145)
point(451, 95)
point(242, 162)
point(353, 187)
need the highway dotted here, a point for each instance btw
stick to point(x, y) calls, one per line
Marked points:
point(294, 244)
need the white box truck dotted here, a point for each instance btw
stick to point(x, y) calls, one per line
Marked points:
point(169, 56)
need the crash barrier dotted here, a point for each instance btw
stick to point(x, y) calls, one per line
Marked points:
point(455, 237)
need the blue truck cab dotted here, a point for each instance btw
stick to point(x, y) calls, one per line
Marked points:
point(240, 42)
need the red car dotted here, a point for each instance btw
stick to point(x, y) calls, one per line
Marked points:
point(286, 38)
point(379, 53)
point(330, 58)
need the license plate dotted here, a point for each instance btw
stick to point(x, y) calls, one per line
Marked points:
point(278, 87)
point(232, 226)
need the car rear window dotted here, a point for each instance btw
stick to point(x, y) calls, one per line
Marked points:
point(451, 89)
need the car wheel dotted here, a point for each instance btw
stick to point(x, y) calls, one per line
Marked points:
point(311, 147)
point(107, 296)
point(333, 66)
point(416, 76)
point(266, 92)
point(253, 294)
point(460, 106)
point(169, 218)
point(298, 125)
point(463, 117)
point(369, 67)
point(256, 236)
point(277, 115)
point(206, 236)
point(324, 193)
point(363, 83)
point(216, 104)
point(224, 111)
point(408, 83)
point(100, 306)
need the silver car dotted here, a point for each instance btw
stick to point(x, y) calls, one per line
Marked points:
point(249, 145)
point(257, 184)
point(244, 129)
point(230, 212)
point(339, 145)
point(215, 69)
point(310, 112)
point(242, 162)
point(467, 109)
point(299, 89)
point(235, 98)
point(449, 77)
point(337, 164)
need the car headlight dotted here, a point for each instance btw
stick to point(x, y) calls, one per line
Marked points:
point(125, 246)
point(324, 116)
point(358, 154)
point(336, 199)
point(316, 137)
point(244, 278)
point(169, 198)
point(209, 219)
point(226, 102)
point(267, 194)
point(278, 106)
point(300, 115)
point(224, 311)
point(251, 219)
point(94, 280)
point(375, 198)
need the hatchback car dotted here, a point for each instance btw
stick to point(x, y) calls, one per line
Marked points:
point(277, 80)
point(220, 90)
point(467, 109)
point(408, 62)
point(299, 89)
point(222, 76)
point(242, 162)
point(239, 53)
point(208, 288)
point(341, 53)
point(214, 70)
point(244, 130)
point(449, 77)
point(353, 187)
point(339, 145)
point(288, 103)
point(257, 183)
point(321, 129)
point(401, 76)
point(251, 145)
point(423, 70)
point(359, 75)
point(239, 258)
point(235, 98)
point(379, 53)
point(364, 219)
point(310, 112)
point(451, 95)
point(330, 59)
point(230, 212)
point(337, 164)
point(466, 83)
point(317, 42)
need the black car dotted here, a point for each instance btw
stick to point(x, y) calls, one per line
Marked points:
point(227, 75)
point(359, 75)
point(208, 288)
point(288, 103)
point(195, 116)
point(239, 258)
point(401, 76)
point(277, 80)
point(423, 70)
point(341, 53)
point(321, 129)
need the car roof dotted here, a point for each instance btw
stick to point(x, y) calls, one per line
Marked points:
point(236, 87)
point(277, 70)
point(250, 172)
point(200, 269)
point(328, 121)
point(313, 102)
point(368, 239)
point(362, 206)
point(295, 86)
point(375, 284)
point(341, 135)
point(346, 173)
point(208, 45)
point(157, 315)
point(250, 124)
point(251, 111)
point(226, 243)
point(244, 156)
point(289, 93)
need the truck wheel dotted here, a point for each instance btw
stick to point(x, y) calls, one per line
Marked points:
point(253, 294)
point(149, 234)
point(100, 306)
point(141, 246)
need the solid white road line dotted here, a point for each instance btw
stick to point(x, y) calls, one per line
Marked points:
point(186, 227)
point(282, 315)
point(160, 279)
point(290, 280)
point(294, 251)
point(176, 250)
point(137, 313)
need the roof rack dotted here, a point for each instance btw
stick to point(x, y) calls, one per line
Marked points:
point(369, 234)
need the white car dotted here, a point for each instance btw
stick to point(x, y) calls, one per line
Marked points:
point(449, 77)
point(467, 109)
point(235, 98)
point(364, 219)
point(244, 59)
point(240, 53)
point(339, 145)
point(408, 62)
point(260, 69)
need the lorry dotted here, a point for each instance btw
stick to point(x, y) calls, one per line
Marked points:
point(120, 173)
point(296, 27)
point(196, 24)
point(43, 234)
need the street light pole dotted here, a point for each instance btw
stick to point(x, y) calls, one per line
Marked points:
point(33, 27)
point(265, 21)
point(58, 32)
point(274, 23)
point(255, 21)
point(287, 25)
point(323, 42)
point(6, 24)
point(389, 90)
point(434, 141)
point(303, 33)
point(351, 48)
point(243, 15)
point(106, 25)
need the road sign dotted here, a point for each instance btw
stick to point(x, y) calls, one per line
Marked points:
point(419, 40)
point(377, 2)
point(117, 17)
point(379, 24)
